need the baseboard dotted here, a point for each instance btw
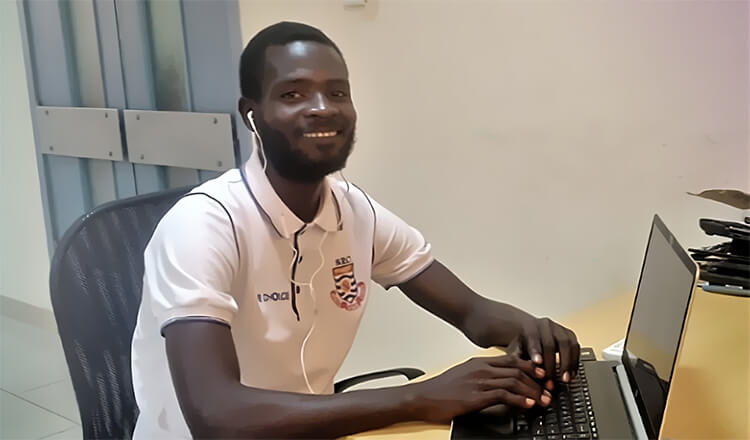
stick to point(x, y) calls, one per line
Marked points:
point(27, 313)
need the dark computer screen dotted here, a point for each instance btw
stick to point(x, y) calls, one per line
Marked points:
point(659, 312)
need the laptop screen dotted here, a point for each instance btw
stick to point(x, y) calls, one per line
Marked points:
point(655, 329)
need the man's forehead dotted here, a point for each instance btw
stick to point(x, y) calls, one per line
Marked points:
point(303, 58)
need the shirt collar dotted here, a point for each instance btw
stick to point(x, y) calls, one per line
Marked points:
point(283, 219)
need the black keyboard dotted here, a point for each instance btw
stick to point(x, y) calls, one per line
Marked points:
point(570, 415)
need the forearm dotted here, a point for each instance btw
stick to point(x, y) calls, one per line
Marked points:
point(255, 413)
point(483, 321)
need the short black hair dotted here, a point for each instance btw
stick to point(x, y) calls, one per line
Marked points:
point(252, 61)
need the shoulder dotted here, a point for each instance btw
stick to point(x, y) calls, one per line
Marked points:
point(208, 209)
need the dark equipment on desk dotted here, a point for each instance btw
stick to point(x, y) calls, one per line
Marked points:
point(725, 267)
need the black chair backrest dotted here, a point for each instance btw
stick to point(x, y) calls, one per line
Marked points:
point(96, 278)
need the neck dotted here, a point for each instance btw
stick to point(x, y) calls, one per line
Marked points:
point(303, 199)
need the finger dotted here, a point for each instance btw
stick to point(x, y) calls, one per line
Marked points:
point(515, 348)
point(548, 347)
point(518, 375)
point(564, 345)
point(506, 361)
point(532, 344)
point(575, 350)
point(519, 383)
point(517, 386)
point(501, 395)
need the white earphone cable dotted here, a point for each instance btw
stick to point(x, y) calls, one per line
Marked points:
point(261, 149)
point(295, 283)
point(315, 311)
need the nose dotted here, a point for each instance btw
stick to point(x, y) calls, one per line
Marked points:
point(321, 107)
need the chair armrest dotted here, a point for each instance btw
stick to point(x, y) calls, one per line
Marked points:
point(410, 373)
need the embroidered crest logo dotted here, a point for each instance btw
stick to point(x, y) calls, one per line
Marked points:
point(349, 293)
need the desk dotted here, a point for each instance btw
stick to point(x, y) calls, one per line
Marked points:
point(711, 387)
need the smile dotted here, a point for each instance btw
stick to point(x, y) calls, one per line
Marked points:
point(321, 134)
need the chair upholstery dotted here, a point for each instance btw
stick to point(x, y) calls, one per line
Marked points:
point(96, 280)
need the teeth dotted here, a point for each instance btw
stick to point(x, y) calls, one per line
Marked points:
point(320, 134)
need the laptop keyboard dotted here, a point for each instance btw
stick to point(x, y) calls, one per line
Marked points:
point(570, 415)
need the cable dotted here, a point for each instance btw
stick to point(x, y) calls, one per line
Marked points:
point(261, 149)
point(296, 284)
point(315, 309)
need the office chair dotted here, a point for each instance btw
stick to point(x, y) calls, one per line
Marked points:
point(96, 278)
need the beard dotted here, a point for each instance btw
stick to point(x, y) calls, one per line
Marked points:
point(292, 163)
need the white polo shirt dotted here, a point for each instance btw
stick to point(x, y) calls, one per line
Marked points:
point(230, 252)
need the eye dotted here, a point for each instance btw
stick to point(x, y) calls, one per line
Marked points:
point(291, 95)
point(339, 94)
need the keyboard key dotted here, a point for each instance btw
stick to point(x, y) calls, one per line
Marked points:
point(582, 428)
point(552, 430)
point(554, 437)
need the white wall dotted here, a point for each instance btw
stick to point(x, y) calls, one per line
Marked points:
point(532, 142)
point(24, 259)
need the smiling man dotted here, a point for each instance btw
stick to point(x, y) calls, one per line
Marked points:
point(256, 281)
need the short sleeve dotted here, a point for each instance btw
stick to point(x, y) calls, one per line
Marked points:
point(400, 251)
point(190, 262)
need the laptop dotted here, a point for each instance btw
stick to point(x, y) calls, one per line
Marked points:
point(610, 399)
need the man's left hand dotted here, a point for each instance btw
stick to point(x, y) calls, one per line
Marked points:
point(542, 339)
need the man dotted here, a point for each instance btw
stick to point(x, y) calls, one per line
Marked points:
point(257, 281)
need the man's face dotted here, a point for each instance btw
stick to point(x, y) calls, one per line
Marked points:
point(305, 117)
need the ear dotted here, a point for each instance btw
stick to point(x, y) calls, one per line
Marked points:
point(244, 105)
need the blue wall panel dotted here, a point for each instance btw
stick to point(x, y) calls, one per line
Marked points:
point(53, 67)
point(213, 61)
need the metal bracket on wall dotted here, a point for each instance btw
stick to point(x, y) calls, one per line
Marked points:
point(180, 139)
point(92, 133)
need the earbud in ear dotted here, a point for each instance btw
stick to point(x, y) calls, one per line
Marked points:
point(252, 122)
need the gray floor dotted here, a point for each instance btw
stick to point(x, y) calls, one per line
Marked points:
point(36, 397)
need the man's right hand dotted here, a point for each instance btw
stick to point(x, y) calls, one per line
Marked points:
point(477, 384)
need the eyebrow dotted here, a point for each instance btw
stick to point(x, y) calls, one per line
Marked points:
point(307, 81)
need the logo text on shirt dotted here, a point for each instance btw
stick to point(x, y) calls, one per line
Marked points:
point(343, 260)
point(275, 296)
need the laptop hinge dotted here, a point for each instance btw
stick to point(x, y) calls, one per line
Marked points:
point(636, 422)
